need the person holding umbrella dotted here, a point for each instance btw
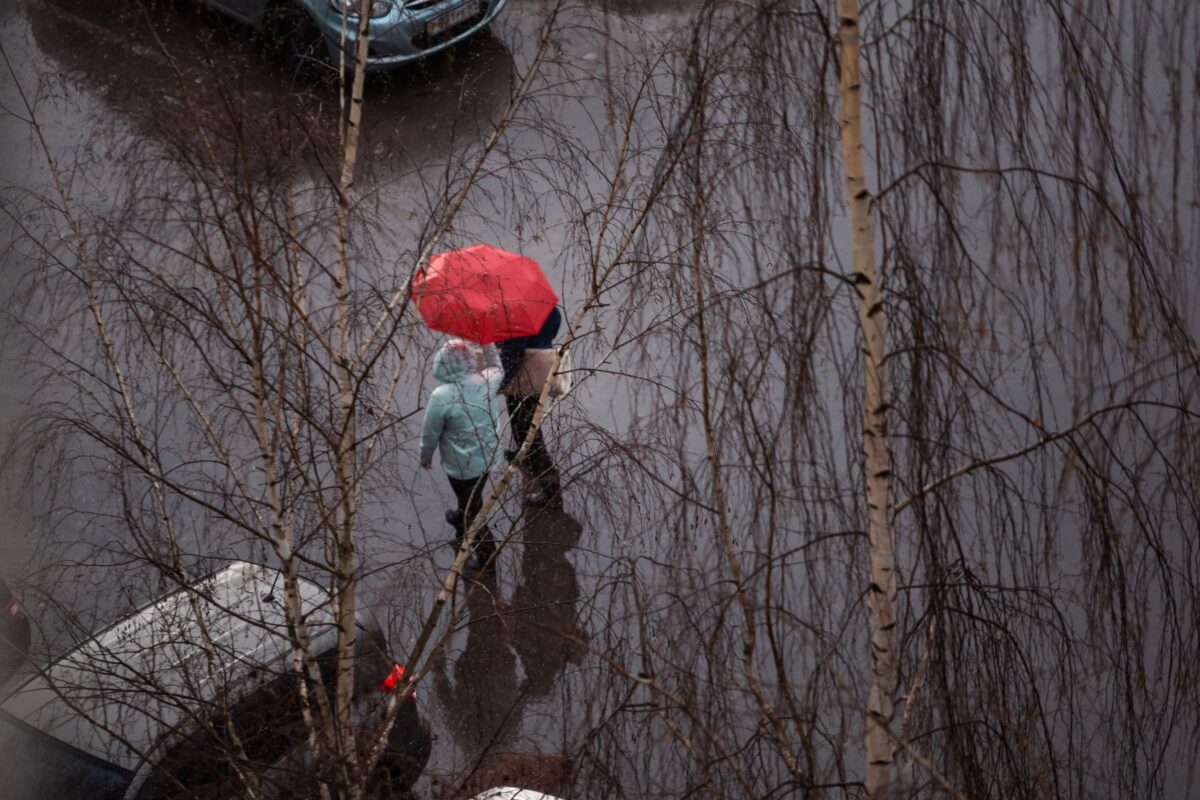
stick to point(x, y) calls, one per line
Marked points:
point(521, 397)
point(485, 295)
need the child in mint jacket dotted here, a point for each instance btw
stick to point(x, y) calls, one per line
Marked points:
point(462, 423)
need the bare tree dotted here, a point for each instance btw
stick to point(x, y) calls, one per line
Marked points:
point(228, 361)
point(883, 442)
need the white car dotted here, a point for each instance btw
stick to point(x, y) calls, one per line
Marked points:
point(513, 793)
point(151, 707)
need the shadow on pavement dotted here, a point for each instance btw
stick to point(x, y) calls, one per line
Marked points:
point(544, 605)
point(479, 691)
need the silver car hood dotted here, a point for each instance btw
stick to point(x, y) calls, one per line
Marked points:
point(119, 693)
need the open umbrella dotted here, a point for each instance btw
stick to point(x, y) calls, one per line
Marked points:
point(484, 294)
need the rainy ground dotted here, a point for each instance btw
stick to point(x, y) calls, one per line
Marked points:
point(107, 93)
point(629, 584)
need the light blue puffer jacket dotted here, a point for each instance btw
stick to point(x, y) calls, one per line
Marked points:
point(463, 414)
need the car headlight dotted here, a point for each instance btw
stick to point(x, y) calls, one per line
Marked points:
point(349, 8)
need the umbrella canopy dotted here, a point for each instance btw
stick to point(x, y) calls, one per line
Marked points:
point(484, 294)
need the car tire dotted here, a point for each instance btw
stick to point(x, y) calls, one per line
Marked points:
point(298, 43)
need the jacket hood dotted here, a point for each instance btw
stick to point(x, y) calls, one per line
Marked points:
point(454, 361)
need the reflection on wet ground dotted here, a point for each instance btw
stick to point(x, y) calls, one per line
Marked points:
point(116, 84)
point(514, 642)
point(162, 66)
point(544, 602)
point(478, 687)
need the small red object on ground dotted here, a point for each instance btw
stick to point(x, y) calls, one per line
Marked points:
point(483, 294)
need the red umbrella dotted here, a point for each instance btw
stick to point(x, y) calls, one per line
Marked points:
point(484, 294)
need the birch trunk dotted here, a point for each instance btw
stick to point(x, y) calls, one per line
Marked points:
point(345, 458)
point(881, 592)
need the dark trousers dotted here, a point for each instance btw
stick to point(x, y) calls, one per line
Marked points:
point(469, 492)
point(537, 461)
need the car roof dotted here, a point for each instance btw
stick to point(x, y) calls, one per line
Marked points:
point(119, 693)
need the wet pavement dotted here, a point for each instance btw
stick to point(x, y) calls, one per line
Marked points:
point(513, 689)
point(497, 691)
point(116, 90)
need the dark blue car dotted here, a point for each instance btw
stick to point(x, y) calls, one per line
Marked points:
point(317, 32)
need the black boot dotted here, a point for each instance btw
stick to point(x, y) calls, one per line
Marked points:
point(455, 518)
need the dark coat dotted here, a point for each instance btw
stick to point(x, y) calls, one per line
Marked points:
point(512, 351)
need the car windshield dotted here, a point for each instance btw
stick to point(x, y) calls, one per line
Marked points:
point(37, 766)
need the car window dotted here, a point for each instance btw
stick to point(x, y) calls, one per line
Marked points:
point(268, 723)
point(36, 766)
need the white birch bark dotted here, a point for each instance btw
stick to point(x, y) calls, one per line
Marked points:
point(881, 591)
point(346, 480)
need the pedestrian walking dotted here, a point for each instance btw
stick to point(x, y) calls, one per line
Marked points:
point(461, 422)
point(521, 396)
point(487, 295)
